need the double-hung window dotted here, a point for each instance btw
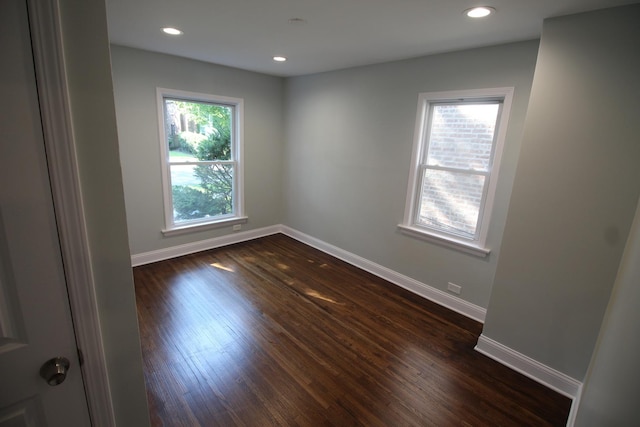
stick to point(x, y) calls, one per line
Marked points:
point(457, 149)
point(201, 151)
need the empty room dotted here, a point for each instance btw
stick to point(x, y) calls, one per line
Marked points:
point(326, 157)
point(339, 213)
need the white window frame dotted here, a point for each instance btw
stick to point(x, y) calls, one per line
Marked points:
point(409, 226)
point(238, 215)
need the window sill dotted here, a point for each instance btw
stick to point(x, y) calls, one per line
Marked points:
point(444, 241)
point(192, 228)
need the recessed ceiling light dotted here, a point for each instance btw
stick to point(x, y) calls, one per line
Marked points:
point(172, 31)
point(279, 58)
point(479, 12)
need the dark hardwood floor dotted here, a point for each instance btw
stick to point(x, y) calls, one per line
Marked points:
point(273, 332)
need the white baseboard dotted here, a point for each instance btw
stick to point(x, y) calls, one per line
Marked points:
point(529, 367)
point(573, 413)
point(202, 245)
point(451, 302)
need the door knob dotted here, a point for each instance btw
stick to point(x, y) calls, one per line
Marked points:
point(54, 371)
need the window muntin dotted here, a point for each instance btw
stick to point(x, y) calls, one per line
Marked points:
point(457, 148)
point(201, 154)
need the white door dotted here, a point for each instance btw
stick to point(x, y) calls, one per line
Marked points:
point(35, 320)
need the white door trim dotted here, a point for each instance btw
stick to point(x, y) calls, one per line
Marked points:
point(44, 19)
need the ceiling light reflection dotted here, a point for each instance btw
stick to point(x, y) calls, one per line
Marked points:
point(172, 31)
point(479, 12)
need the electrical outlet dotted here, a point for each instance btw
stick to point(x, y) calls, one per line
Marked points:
point(237, 227)
point(456, 289)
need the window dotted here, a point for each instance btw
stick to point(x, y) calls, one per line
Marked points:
point(457, 148)
point(201, 150)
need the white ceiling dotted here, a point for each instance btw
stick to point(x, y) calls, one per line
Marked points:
point(337, 33)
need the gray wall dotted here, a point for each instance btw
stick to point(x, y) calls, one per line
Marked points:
point(575, 191)
point(349, 136)
point(136, 74)
point(610, 395)
point(86, 49)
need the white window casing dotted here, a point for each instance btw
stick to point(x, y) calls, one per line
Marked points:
point(473, 242)
point(235, 163)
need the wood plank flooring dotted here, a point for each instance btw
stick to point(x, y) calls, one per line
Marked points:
point(274, 333)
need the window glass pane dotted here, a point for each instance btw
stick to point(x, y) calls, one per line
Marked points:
point(461, 136)
point(201, 191)
point(198, 130)
point(451, 201)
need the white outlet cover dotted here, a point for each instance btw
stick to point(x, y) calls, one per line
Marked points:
point(456, 289)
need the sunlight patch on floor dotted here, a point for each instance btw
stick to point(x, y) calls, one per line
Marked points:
point(315, 294)
point(222, 267)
